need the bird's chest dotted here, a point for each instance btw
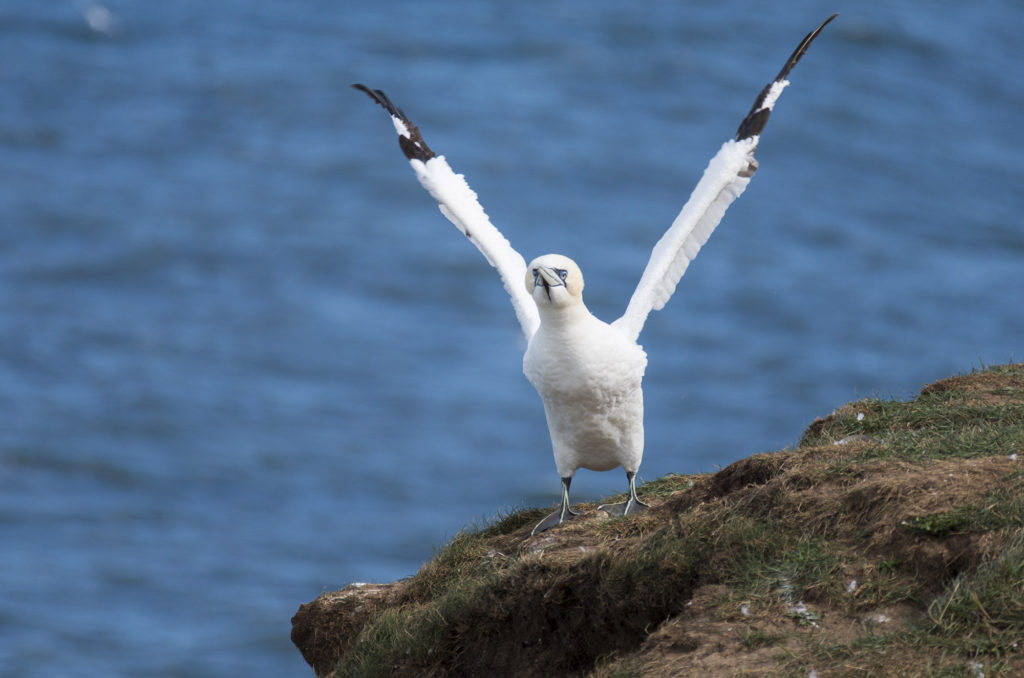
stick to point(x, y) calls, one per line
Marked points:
point(592, 369)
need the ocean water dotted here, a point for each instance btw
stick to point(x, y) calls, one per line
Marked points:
point(244, 360)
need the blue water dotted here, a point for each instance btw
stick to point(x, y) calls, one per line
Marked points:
point(244, 360)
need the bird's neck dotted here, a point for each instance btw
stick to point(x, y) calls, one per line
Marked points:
point(563, 318)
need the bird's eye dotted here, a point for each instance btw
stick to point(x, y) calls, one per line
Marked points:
point(563, 274)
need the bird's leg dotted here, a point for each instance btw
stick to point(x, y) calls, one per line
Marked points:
point(563, 513)
point(631, 505)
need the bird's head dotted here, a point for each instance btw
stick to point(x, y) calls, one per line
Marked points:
point(554, 281)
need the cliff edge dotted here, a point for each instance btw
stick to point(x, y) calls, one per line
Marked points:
point(889, 542)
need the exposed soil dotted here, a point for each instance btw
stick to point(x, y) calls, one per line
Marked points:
point(659, 595)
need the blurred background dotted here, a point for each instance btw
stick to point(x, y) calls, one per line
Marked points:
point(244, 360)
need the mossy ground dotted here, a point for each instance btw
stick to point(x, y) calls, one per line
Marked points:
point(889, 542)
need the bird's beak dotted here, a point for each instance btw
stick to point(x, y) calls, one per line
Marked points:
point(548, 277)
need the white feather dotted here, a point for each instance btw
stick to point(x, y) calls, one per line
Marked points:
point(458, 202)
point(722, 182)
point(587, 372)
point(773, 94)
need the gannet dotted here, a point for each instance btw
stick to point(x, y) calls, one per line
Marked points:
point(588, 372)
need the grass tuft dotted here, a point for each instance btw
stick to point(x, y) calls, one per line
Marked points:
point(983, 612)
point(899, 551)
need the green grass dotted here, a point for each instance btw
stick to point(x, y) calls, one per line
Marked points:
point(983, 612)
point(994, 512)
point(978, 618)
point(753, 638)
point(938, 424)
point(775, 531)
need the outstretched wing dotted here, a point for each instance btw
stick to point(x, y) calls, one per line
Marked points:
point(724, 179)
point(458, 202)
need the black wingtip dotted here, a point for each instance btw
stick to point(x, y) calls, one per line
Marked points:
point(757, 118)
point(413, 145)
point(802, 48)
point(363, 88)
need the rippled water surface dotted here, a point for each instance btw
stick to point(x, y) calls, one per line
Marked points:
point(243, 359)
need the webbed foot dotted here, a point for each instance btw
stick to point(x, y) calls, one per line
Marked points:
point(557, 518)
point(624, 508)
point(631, 506)
point(563, 513)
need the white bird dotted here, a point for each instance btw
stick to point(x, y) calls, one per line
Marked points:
point(589, 372)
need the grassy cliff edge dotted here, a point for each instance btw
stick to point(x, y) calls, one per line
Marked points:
point(889, 542)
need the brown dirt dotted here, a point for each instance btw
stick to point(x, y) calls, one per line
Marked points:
point(325, 628)
point(990, 388)
point(551, 601)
